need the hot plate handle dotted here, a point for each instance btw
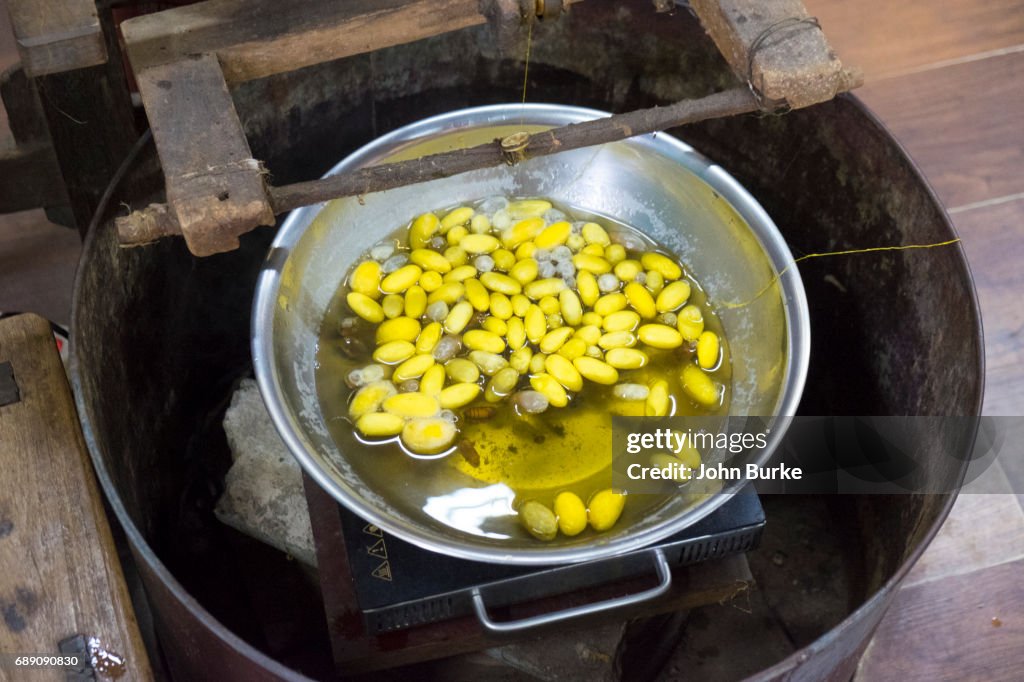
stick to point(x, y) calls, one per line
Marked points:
point(503, 627)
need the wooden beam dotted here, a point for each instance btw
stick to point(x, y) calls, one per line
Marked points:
point(259, 38)
point(775, 45)
point(59, 571)
point(57, 35)
point(214, 186)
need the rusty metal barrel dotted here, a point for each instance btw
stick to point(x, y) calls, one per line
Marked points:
point(160, 338)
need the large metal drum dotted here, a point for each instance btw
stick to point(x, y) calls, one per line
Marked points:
point(160, 337)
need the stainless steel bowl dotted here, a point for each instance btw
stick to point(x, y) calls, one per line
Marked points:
point(656, 184)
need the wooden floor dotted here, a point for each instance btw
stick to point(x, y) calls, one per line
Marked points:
point(947, 76)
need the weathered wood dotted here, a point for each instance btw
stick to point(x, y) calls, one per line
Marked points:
point(785, 59)
point(714, 582)
point(59, 571)
point(91, 123)
point(154, 222)
point(258, 38)
point(214, 186)
point(57, 35)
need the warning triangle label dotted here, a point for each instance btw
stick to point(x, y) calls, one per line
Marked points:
point(382, 572)
point(378, 549)
point(373, 530)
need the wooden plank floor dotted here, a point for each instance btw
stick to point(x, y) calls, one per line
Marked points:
point(947, 77)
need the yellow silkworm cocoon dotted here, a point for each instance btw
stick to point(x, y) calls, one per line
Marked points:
point(593, 250)
point(626, 358)
point(415, 301)
point(501, 384)
point(520, 359)
point(458, 395)
point(658, 403)
point(398, 329)
point(553, 235)
point(428, 436)
point(503, 260)
point(380, 424)
point(525, 208)
point(393, 306)
point(480, 224)
point(673, 296)
point(595, 234)
point(540, 288)
point(573, 348)
point(586, 284)
point(516, 333)
point(605, 509)
point(477, 295)
point(401, 279)
point(622, 339)
point(394, 352)
point(432, 380)
point(641, 300)
point(564, 372)
point(589, 333)
point(663, 264)
point(610, 303)
point(615, 253)
point(655, 282)
point(549, 386)
point(369, 398)
point(431, 281)
point(456, 255)
point(366, 279)
point(458, 317)
point(707, 350)
point(523, 231)
point(554, 339)
point(690, 322)
point(571, 307)
point(489, 363)
point(428, 259)
point(525, 271)
point(459, 216)
point(479, 243)
point(525, 250)
point(422, 229)
point(413, 368)
point(520, 304)
point(429, 337)
point(365, 307)
point(627, 270)
point(571, 513)
point(549, 305)
point(495, 325)
point(536, 324)
point(462, 371)
point(503, 284)
point(592, 319)
point(456, 234)
point(699, 386)
point(481, 339)
point(500, 306)
point(537, 362)
point(622, 321)
point(595, 370)
point(659, 336)
point(460, 274)
point(592, 264)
